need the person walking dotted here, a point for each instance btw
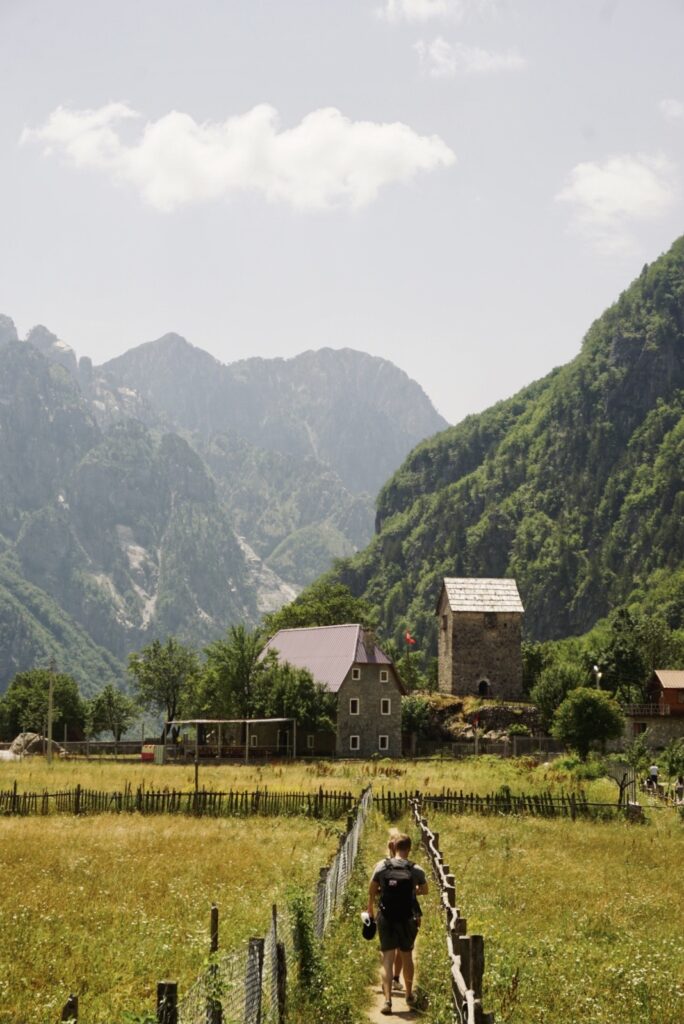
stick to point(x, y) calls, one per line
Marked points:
point(653, 773)
point(395, 883)
point(418, 913)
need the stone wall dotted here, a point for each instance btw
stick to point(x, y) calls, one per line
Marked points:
point(661, 728)
point(478, 648)
point(369, 724)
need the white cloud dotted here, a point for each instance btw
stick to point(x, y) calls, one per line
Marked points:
point(417, 10)
point(607, 198)
point(396, 11)
point(442, 59)
point(672, 109)
point(324, 161)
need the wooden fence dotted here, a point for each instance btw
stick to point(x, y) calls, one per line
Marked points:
point(546, 805)
point(465, 952)
point(143, 800)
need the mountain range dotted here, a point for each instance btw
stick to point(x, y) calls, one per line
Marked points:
point(167, 493)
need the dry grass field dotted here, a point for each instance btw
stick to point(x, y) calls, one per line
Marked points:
point(582, 921)
point(107, 906)
point(479, 775)
point(579, 918)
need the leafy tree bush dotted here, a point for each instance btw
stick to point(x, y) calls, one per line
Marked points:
point(587, 716)
point(24, 707)
point(415, 714)
point(230, 673)
point(111, 711)
point(282, 691)
point(165, 676)
point(552, 687)
point(324, 603)
point(672, 758)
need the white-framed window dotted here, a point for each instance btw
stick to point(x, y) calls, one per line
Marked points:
point(354, 742)
point(383, 742)
point(309, 742)
point(385, 706)
point(356, 673)
point(354, 705)
point(384, 675)
point(253, 740)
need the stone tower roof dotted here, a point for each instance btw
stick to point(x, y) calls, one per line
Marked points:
point(482, 595)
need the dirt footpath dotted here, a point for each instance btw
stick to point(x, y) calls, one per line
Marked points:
point(400, 1011)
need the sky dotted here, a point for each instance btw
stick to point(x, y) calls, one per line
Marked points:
point(458, 186)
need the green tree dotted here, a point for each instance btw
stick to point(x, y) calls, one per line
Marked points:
point(587, 716)
point(415, 714)
point(165, 677)
point(322, 604)
point(639, 753)
point(672, 758)
point(230, 672)
point(24, 708)
point(552, 687)
point(112, 711)
point(283, 691)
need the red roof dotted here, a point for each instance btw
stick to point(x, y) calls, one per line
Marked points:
point(328, 652)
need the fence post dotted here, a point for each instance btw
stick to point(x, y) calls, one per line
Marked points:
point(214, 1008)
point(77, 799)
point(476, 964)
point(319, 921)
point(450, 890)
point(281, 974)
point(167, 1002)
point(255, 963)
point(464, 951)
point(70, 1011)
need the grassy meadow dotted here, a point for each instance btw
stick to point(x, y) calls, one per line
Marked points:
point(107, 906)
point(473, 774)
point(582, 921)
point(579, 918)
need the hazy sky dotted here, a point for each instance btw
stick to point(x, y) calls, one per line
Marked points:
point(459, 186)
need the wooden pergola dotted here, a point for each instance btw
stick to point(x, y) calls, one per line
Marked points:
point(219, 723)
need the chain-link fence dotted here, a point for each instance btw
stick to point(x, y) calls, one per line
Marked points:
point(334, 879)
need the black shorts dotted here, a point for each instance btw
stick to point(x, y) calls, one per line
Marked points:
point(396, 934)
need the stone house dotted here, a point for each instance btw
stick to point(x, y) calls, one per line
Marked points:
point(663, 711)
point(347, 661)
point(479, 637)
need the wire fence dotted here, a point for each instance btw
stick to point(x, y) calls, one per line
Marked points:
point(334, 879)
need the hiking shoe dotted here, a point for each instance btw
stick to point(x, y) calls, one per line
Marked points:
point(412, 999)
point(396, 984)
point(387, 1008)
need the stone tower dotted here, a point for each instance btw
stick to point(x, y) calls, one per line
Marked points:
point(480, 624)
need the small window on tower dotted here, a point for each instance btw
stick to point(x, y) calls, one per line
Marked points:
point(490, 620)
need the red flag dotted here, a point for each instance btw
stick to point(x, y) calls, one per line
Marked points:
point(409, 639)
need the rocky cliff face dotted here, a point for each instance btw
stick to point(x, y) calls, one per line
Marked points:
point(114, 528)
point(357, 414)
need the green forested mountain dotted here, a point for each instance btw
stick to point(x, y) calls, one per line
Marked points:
point(574, 486)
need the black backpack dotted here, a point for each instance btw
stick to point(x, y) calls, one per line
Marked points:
point(397, 891)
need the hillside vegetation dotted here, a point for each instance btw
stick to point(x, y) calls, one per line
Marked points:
point(573, 486)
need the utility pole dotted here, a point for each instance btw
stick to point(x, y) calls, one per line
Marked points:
point(51, 696)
